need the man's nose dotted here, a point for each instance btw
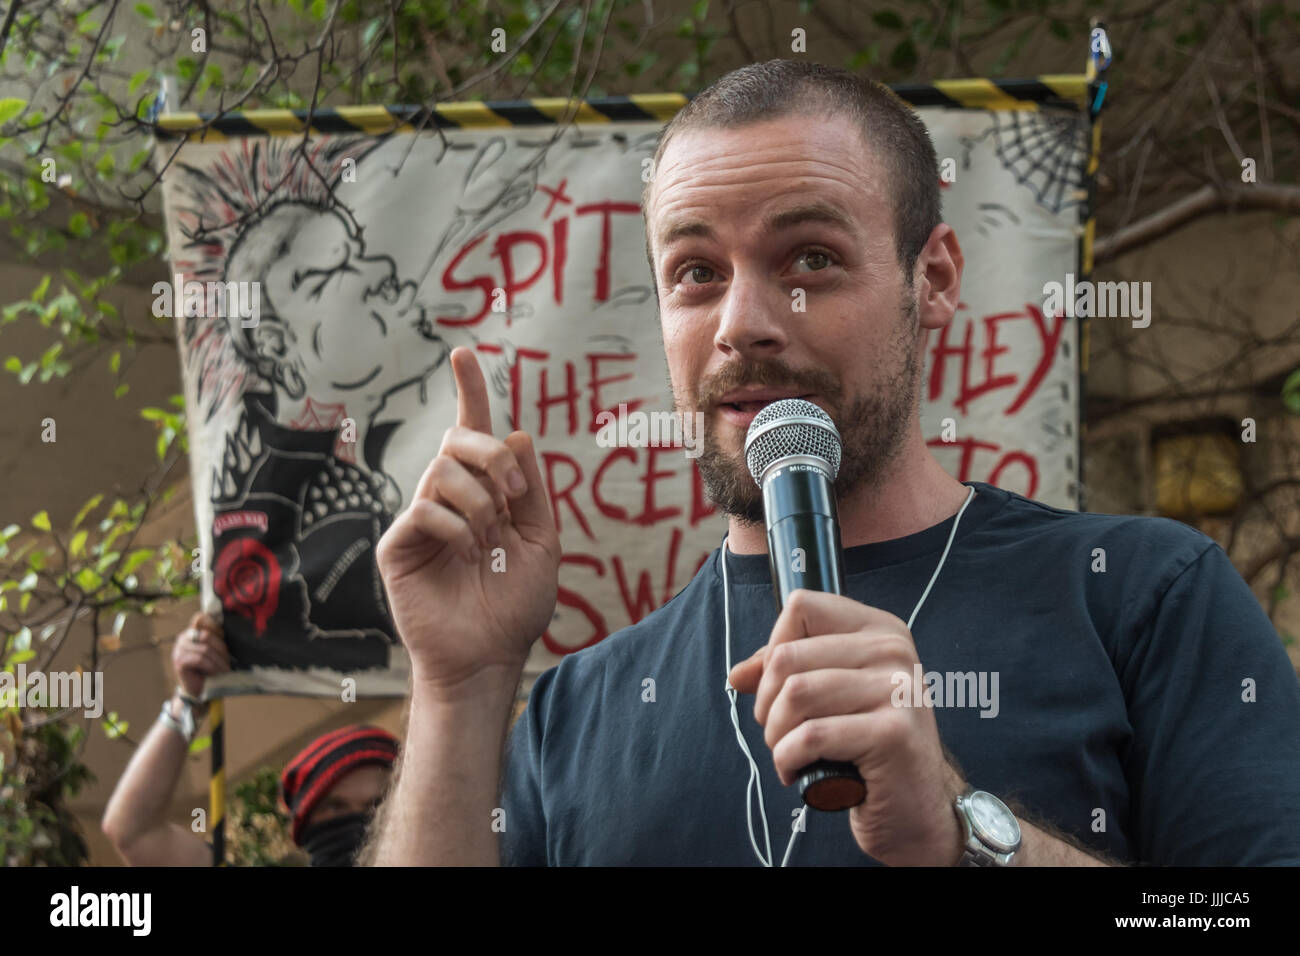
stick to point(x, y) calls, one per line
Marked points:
point(753, 320)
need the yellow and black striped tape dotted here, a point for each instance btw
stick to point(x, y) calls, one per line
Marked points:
point(1063, 91)
point(217, 783)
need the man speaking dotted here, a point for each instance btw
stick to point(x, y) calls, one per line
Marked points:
point(1101, 717)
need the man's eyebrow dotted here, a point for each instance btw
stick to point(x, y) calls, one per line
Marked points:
point(811, 212)
point(684, 229)
point(785, 219)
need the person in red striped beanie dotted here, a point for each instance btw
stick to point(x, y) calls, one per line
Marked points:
point(332, 786)
point(329, 789)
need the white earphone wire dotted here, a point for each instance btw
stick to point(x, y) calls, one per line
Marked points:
point(735, 718)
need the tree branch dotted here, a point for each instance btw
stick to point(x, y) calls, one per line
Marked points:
point(1247, 197)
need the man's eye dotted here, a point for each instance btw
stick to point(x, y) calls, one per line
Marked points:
point(700, 275)
point(816, 261)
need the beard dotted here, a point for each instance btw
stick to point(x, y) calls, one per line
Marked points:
point(872, 426)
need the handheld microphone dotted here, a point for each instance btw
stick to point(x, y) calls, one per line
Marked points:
point(793, 452)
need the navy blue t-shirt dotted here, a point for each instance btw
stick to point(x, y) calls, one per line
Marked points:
point(1123, 712)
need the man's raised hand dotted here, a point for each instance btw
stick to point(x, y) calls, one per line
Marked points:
point(472, 566)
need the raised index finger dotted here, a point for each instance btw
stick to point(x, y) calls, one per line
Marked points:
point(472, 408)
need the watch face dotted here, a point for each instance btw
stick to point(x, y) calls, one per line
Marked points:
point(993, 822)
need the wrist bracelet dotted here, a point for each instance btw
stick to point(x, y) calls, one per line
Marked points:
point(185, 726)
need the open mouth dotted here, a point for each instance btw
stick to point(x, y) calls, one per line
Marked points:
point(755, 407)
point(742, 413)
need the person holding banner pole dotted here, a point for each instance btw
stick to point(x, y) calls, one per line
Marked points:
point(329, 788)
point(1126, 727)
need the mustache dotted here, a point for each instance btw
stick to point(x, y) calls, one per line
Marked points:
point(767, 373)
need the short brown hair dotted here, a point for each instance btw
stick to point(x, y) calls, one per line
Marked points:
point(780, 88)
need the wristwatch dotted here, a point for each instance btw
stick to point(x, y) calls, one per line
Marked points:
point(186, 726)
point(991, 831)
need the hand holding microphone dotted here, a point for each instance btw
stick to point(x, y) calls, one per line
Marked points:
point(793, 452)
point(824, 684)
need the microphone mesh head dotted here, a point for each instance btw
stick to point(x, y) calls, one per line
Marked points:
point(797, 427)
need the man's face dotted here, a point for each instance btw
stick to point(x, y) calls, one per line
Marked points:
point(357, 791)
point(350, 315)
point(746, 225)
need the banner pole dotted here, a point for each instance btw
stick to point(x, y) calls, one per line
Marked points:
point(217, 785)
point(1099, 60)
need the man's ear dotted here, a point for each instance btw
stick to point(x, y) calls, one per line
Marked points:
point(938, 277)
point(277, 356)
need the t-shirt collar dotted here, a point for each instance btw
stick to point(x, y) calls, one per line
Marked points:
point(752, 569)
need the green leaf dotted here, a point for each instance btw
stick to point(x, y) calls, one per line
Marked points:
point(318, 9)
point(887, 19)
point(10, 107)
point(38, 294)
point(114, 726)
point(136, 558)
point(87, 508)
point(41, 521)
point(78, 543)
point(21, 657)
point(79, 225)
point(28, 582)
point(137, 79)
point(121, 390)
point(88, 580)
point(201, 744)
point(13, 364)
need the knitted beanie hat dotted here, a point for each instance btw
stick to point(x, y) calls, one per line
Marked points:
point(320, 765)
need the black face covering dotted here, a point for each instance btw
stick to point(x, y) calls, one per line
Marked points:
point(335, 842)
